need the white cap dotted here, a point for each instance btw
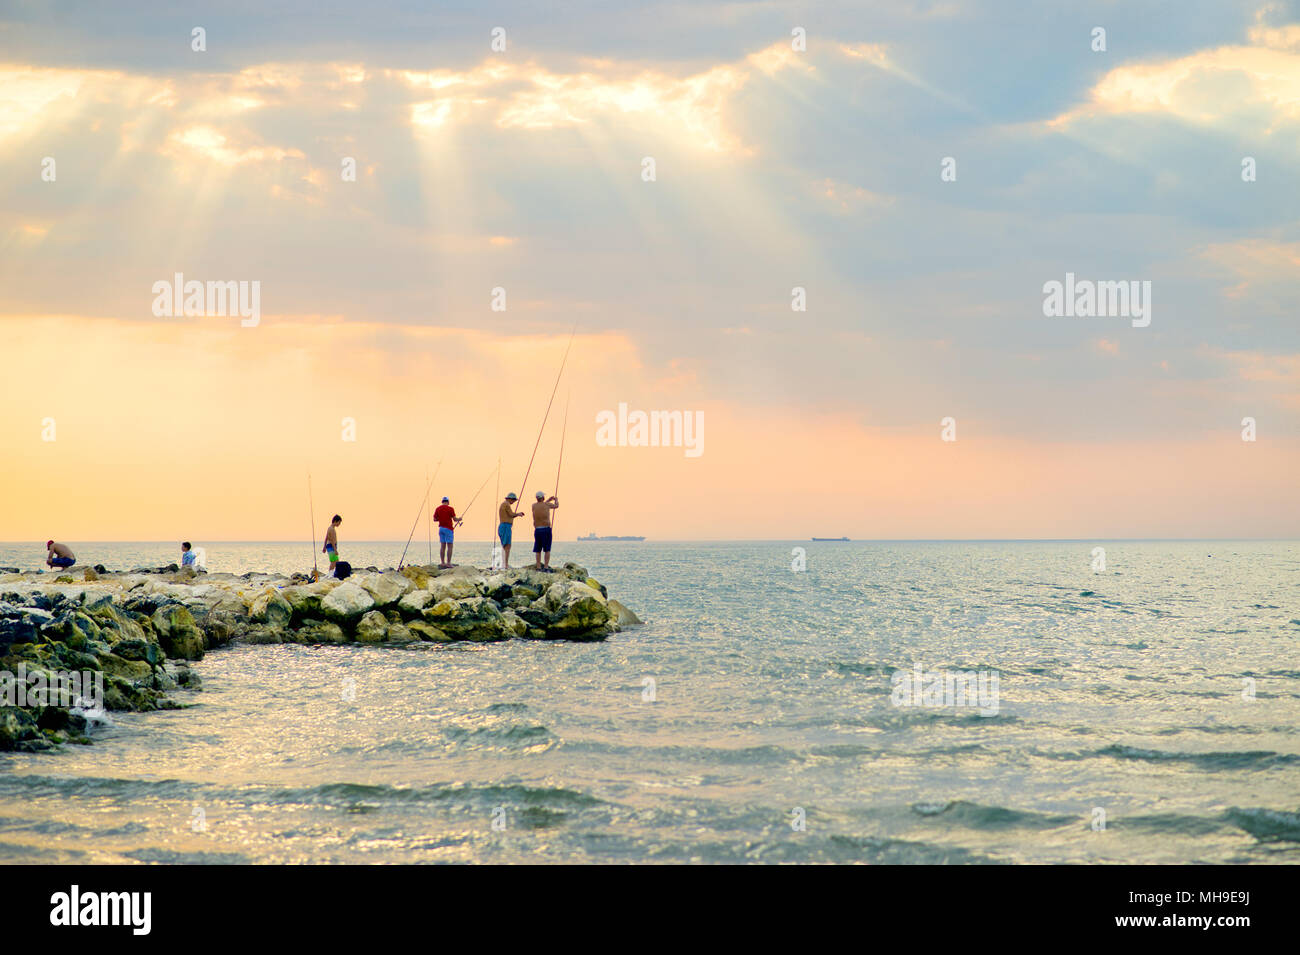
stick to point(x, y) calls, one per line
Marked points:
point(541, 495)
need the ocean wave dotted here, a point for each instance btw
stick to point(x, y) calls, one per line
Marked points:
point(490, 795)
point(1267, 825)
point(1171, 823)
point(1244, 759)
point(975, 816)
point(29, 787)
point(169, 857)
point(515, 735)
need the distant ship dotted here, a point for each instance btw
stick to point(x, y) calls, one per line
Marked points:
point(830, 538)
point(592, 537)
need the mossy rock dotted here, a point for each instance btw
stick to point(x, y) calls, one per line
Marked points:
point(113, 665)
point(178, 634)
point(19, 731)
point(372, 628)
point(320, 631)
point(270, 608)
point(427, 631)
point(417, 575)
point(413, 604)
point(474, 618)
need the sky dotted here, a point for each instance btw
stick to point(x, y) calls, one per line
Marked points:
point(919, 170)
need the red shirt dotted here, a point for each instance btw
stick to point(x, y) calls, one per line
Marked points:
point(444, 514)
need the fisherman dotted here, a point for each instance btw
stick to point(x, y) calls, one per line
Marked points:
point(447, 520)
point(187, 555)
point(506, 514)
point(331, 548)
point(59, 555)
point(542, 530)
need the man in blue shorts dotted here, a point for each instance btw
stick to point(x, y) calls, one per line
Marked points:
point(447, 520)
point(59, 556)
point(542, 530)
point(506, 514)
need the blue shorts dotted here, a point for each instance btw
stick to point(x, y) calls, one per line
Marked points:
point(444, 535)
point(332, 553)
point(63, 561)
point(504, 531)
point(541, 540)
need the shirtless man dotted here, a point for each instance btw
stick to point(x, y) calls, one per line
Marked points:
point(331, 548)
point(59, 555)
point(506, 514)
point(447, 520)
point(542, 530)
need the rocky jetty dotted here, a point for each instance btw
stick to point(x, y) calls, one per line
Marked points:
point(136, 633)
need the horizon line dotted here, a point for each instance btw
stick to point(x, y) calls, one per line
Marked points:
point(731, 540)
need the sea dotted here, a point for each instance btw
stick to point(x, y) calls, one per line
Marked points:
point(785, 702)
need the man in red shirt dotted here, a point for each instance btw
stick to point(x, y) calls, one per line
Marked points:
point(447, 520)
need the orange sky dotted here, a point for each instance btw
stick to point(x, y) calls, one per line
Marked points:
point(206, 430)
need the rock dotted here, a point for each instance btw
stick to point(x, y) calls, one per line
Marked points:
point(305, 600)
point(453, 587)
point(372, 628)
point(114, 665)
point(623, 616)
point(475, 618)
point(577, 611)
point(19, 631)
point(222, 626)
point(419, 576)
point(515, 624)
point(271, 609)
point(91, 574)
point(413, 604)
point(177, 633)
point(346, 603)
point(386, 589)
point(139, 649)
point(400, 633)
point(319, 631)
point(19, 731)
point(427, 631)
point(258, 634)
point(98, 600)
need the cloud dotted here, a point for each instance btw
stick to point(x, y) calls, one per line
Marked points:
point(1256, 86)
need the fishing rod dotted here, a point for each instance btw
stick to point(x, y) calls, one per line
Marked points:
point(494, 523)
point(461, 516)
point(423, 502)
point(311, 501)
point(563, 430)
point(430, 529)
point(522, 487)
